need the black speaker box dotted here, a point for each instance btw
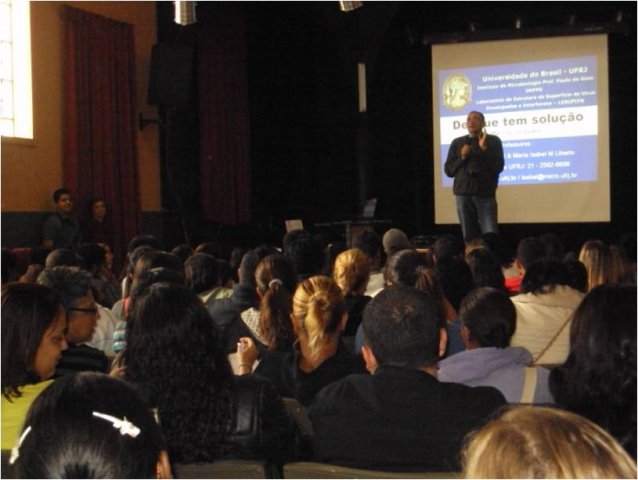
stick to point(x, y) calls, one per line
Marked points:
point(171, 76)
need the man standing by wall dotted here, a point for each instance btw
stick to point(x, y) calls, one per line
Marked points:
point(61, 230)
point(475, 162)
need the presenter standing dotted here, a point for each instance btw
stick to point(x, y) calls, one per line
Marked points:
point(475, 162)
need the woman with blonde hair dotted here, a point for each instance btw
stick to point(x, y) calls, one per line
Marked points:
point(604, 265)
point(352, 273)
point(320, 357)
point(542, 442)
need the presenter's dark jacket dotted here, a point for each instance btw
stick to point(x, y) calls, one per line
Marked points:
point(399, 419)
point(478, 174)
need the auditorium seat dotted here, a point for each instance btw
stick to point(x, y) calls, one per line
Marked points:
point(324, 470)
point(222, 469)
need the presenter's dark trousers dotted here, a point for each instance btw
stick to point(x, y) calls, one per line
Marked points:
point(478, 215)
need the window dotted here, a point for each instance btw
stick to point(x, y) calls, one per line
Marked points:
point(16, 108)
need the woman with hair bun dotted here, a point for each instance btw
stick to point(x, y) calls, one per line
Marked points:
point(352, 273)
point(318, 318)
point(90, 425)
point(33, 337)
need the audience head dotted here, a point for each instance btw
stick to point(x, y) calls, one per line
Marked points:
point(62, 257)
point(73, 286)
point(74, 431)
point(143, 240)
point(598, 379)
point(292, 236)
point(211, 248)
point(236, 256)
point(544, 276)
point(202, 272)
point(489, 318)
point(173, 351)
point(600, 263)
point(249, 262)
point(448, 245)
point(577, 274)
point(275, 277)
point(403, 267)
point(92, 258)
point(33, 328)
point(352, 271)
point(318, 312)
point(156, 259)
point(455, 277)
point(9, 266)
point(529, 250)
point(63, 201)
point(500, 247)
point(182, 252)
point(97, 208)
point(542, 442)
point(145, 280)
point(369, 242)
point(402, 326)
point(395, 240)
point(486, 268)
point(553, 246)
point(305, 254)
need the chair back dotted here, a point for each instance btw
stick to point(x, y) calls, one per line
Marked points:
point(324, 470)
point(222, 469)
point(300, 414)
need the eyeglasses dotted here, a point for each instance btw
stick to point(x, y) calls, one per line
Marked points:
point(85, 310)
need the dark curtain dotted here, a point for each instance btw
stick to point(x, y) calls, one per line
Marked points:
point(100, 156)
point(224, 126)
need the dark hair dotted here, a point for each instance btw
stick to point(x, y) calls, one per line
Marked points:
point(369, 242)
point(403, 267)
point(455, 277)
point(401, 326)
point(182, 252)
point(447, 245)
point(202, 272)
point(577, 274)
point(485, 268)
point(544, 276)
point(211, 248)
point(91, 256)
point(62, 257)
point(553, 245)
point(9, 265)
point(305, 254)
point(67, 440)
point(129, 268)
point(155, 259)
point(530, 250)
point(70, 283)
point(145, 280)
point(276, 280)
point(499, 246)
point(143, 240)
point(292, 236)
point(173, 350)
point(28, 310)
point(236, 256)
point(59, 192)
point(598, 379)
point(249, 263)
point(490, 316)
point(478, 113)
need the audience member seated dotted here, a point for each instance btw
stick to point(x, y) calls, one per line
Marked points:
point(128, 266)
point(236, 256)
point(400, 418)
point(183, 252)
point(395, 240)
point(225, 311)
point(543, 442)
point(205, 411)
point(203, 276)
point(544, 311)
point(37, 259)
point(91, 425)
point(73, 286)
point(33, 327)
point(61, 230)
point(352, 272)
point(305, 254)
point(497, 244)
point(577, 274)
point(120, 307)
point(93, 260)
point(96, 226)
point(553, 246)
point(319, 358)
point(489, 320)
point(447, 246)
point(598, 380)
point(529, 250)
point(604, 265)
point(369, 243)
point(61, 257)
point(486, 269)
point(211, 248)
point(269, 326)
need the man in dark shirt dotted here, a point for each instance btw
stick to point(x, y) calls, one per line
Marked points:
point(61, 230)
point(475, 161)
point(401, 418)
point(73, 285)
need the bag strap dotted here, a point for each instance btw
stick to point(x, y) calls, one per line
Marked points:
point(551, 342)
point(529, 387)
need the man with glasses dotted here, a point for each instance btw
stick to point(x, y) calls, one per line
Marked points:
point(73, 285)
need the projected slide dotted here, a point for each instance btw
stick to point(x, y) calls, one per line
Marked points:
point(545, 113)
point(548, 101)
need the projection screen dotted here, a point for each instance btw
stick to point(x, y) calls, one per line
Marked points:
point(547, 99)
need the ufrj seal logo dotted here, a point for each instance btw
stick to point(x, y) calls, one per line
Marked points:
point(457, 92)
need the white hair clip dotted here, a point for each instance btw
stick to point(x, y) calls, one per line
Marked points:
point(275, 281)
point(15, 451)
point(125, 427)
